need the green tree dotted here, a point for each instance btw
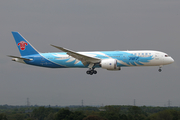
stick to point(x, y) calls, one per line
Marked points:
point(51, 116)
point(3, 116)
point(165, 115)
point(135, 113)
point(176, 114)
point(111, 113)
point(29, 119)
point(115, 109)
point(94, 117)
point(18, 116)
point(65, 114)
point(77, 115)
point(134, 110)
point(41, 113)
point(123, 117)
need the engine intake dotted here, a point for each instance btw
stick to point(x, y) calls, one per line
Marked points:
point(109, 64)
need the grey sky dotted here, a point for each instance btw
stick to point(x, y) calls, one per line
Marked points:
point(83, 25)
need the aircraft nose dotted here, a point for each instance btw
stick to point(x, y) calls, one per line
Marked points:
point(172, 60)
point(168, 60)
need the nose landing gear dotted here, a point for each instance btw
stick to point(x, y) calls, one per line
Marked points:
point(160, 68)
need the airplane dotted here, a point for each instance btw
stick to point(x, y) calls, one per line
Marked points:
point(110, 60)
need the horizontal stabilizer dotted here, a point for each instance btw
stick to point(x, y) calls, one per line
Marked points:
point(19, 58)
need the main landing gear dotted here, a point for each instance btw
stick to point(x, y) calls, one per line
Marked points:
point(91, 72)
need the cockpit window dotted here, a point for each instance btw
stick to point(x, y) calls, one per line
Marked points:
point(166, 55)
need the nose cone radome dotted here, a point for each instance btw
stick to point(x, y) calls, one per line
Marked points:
point(168, 60)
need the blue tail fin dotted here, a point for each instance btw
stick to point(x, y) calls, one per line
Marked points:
point(25, 48)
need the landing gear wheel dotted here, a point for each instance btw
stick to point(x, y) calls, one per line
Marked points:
point(160, 70)
point(88, 72)
point(91, 72)
point(95, 72)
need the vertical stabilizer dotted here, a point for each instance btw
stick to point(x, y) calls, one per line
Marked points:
point(25, 48)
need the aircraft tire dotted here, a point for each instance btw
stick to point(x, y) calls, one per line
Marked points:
point(88, 72)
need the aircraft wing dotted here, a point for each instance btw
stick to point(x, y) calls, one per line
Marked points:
point(85, 59)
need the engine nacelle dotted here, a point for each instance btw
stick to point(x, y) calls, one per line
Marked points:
point(109, 64)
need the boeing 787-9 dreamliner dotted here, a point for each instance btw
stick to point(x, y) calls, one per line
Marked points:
point(110, 60)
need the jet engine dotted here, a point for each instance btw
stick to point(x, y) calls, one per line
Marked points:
point(109, 64)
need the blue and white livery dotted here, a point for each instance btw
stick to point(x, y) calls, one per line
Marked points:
point(110, 60)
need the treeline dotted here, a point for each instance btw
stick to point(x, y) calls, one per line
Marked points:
point(89, 113)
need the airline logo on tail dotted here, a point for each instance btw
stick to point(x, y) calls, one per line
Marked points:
point(22, 45)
